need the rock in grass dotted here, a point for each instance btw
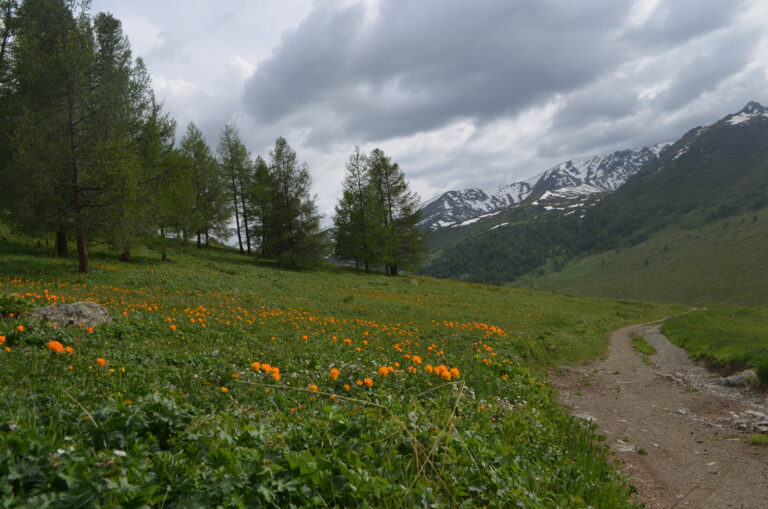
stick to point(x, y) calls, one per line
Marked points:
point(746, 377)
point(86, 313)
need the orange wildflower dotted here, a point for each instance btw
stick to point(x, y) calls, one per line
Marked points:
point(428, 368)
point(266, 367)
point(348, 341)
point(20, 328)
point(347, 387)
point(312, 387)
point(89, 330)
point(172, 327)
point(455, 372)
point(69, 349)
point(335, 373)
point(101, 361)
point(70, 368)
point(276, 376)
point(359, 382)
point(2, 340)
point(384, 371)
point(368, 382)
point(256, 366)
point(55, 346)
point(305, 337)
point(224, 389)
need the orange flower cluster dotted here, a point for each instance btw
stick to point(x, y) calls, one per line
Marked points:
point(55, 346)
point(443, 372)
point(101, 361)
point(266, 368)
point(334, 374)
point(385, 370)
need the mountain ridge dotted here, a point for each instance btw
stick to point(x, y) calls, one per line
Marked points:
point(580, 176)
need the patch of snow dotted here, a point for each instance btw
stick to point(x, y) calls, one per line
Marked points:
point(475, 219)
point(682, 151)
point(498, 225)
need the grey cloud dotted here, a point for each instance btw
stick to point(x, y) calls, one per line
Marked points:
point(421, 64)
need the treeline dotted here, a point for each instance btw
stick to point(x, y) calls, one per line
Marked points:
point(87, 154)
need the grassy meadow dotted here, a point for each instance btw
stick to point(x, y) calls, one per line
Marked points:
point(727, 335)
point(227, 381)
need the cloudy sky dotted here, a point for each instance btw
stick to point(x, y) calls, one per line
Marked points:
point(460, 94)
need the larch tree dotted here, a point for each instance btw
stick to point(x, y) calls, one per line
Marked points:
point(294, 223)
point(80, 108)
point(357, 220)
point(236, 166)
point(209, 210)
point(401, 243)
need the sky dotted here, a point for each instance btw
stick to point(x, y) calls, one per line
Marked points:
point(460, 94)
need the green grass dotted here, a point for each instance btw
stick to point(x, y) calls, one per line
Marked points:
point(758, 439)
point(723, 261)
point(641, 345)
point(726, 335)
point(179, 418)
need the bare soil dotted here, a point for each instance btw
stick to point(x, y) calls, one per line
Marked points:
point(680, 437)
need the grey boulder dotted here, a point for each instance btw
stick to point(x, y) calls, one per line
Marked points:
point(85, 313)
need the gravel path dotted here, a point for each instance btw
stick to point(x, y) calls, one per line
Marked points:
point(681, 438)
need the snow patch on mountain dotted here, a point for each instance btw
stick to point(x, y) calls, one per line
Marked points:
point(751, 111)
point(569, 180)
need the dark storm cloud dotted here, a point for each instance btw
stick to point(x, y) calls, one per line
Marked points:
point(406, 67)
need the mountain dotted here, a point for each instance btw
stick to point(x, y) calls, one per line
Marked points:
point(577, 177)
point(709, 186)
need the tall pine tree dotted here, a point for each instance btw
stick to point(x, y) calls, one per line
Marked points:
point(377, 216)
point(209, 210)
point(237, 168)
point(293, 222)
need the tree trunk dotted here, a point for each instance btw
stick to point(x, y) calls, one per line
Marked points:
point(163, 254)
point(125, 256)
point(82, 252)
point(365, 262)
point(237, 216)
point(61, 250)
point(82, 249)
point(245, 220)
point(393, 270)
point(199, 240)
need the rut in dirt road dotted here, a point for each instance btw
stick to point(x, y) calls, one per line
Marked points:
point(674, 429)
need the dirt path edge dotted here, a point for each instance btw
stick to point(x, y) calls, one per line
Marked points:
point(680, 436)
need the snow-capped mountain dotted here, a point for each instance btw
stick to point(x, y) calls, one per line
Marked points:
point(577, 177)
point(750, 112)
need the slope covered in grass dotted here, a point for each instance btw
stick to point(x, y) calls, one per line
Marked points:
point(721, 261)
point(726, 335)
point(228, 381)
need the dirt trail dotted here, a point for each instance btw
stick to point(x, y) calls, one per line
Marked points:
point(674, 428)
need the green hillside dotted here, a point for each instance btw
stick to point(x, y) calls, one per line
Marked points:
point(723, 261)
point(391, 391)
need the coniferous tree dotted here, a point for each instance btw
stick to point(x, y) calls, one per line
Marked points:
point(208, 211)
point(358, 229)
point(236, 166)
point(401, 243)
point(258, 202)
point(79, 115)
point(293, 222)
